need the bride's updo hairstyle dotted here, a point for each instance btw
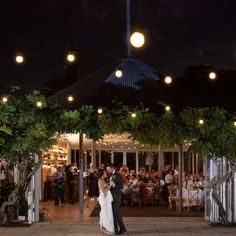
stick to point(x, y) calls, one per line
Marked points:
point(100, 173)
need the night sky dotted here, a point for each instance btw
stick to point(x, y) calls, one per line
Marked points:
point(179, 33)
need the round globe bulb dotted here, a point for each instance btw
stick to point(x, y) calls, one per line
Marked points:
point(70, 57)
point(137, 40)
point(235, 123)
point(5, 99)
point(212, 75)
point(167, 108)
point(70, 98)
point(201, 121)
point(133, 115)
point(19, 59)
point(39, 104)
point(168, 80)
point(99, 111)
point(118, 73)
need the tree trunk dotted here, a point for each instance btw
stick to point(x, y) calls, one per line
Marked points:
point(20, 187)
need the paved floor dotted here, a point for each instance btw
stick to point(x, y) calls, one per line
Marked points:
point(147, 227)
point(65, 221)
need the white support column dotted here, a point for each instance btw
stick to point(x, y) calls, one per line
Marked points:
point(125, 157)
point(112, 157)
point(33, 196)
point(137, 162)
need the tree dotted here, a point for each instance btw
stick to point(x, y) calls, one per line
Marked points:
point(28, 125)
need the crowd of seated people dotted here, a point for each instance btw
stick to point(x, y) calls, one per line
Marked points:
point(150, 184)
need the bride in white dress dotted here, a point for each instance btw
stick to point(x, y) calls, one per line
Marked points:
point(105, 200)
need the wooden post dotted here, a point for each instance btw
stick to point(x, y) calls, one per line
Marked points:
point(180, 160)
point(81, 173)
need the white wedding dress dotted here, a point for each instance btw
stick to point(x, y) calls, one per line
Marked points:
point(106, 213)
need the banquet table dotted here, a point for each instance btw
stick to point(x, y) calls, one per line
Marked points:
point(192, 197)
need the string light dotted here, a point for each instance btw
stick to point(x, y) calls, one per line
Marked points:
point(167, 108)
point(133, 115)
point(100, 111)
point(212, 75)
point(19, 58)
point(137, 39)
point(70, 98)
point(168, 79)
point(4, 99)
point(39, 104)
point(70, 57)
point(118, 73)
point(201, 121)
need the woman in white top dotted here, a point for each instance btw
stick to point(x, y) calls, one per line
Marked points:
point(105, 200)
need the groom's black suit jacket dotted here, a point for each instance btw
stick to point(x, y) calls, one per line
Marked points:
point(116, 190)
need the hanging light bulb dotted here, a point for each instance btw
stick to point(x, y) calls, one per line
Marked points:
point(133, 115)
point(100, 111)
point(167, 108)
point(39, 104)
point(19, 58)
point(137, 39)
point(118, 73)
point(212, 75)
point(70, 98)
point(5, 99)
point(168, 79)
point(201, 121)
point(70, 57)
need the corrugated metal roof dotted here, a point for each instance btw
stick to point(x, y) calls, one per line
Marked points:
point(133, 71)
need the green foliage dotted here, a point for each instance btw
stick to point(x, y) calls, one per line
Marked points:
point(84, 120)
point(24, 127)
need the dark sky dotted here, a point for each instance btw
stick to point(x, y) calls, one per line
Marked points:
point(179, 33)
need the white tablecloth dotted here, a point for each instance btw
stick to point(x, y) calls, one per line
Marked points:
point(192, 197)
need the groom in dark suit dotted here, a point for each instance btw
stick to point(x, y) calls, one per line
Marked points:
point(117, 185)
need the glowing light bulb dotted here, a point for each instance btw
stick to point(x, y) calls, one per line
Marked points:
point(201, 121)
point(137, 39)
point(70, 57)
point(100, 111)
point(39, 104)
point(133, 115)
point(212, 75)
point(4, 99)
point(118, 73)
point(19, 59)
point(167, 108)
point(168, 79)
point(70, 98)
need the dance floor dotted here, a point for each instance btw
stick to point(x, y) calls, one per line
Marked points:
point(158, 211)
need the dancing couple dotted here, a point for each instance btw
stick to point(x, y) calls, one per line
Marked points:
point(110, 200)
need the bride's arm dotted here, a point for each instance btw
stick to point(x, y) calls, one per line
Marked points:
point(102, 186)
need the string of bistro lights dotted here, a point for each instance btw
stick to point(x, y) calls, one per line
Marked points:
point(137, 40)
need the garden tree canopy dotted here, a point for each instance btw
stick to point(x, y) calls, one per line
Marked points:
point(215, 137)
point(26, 128)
